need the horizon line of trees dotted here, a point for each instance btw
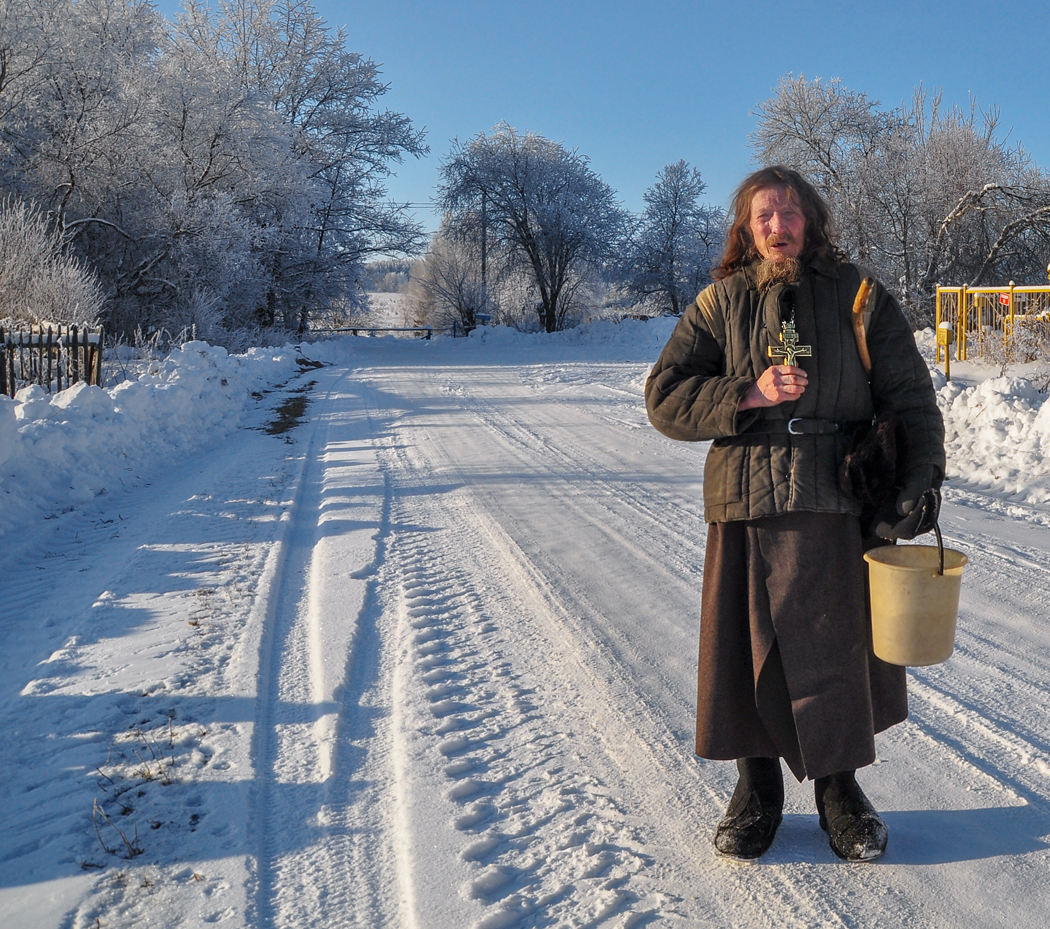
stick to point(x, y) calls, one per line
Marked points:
point(226, 171)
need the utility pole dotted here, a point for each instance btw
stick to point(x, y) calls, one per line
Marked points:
point(484, 254)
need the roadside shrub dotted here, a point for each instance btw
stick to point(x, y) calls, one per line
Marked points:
point(39, 279)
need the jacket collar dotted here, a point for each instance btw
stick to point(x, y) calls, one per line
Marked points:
point(823, 267)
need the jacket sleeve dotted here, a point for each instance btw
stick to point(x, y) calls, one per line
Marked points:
point(688, 395)
point(901, 383)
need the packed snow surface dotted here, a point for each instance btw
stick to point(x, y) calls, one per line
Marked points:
point(424, 655)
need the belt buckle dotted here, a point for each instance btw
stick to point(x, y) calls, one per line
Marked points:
point(791, 426)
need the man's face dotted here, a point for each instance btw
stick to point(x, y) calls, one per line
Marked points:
point(777, 223)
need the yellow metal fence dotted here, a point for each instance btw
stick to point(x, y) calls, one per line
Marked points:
point(993, 320)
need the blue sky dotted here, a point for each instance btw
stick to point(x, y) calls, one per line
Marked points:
point(635, 86)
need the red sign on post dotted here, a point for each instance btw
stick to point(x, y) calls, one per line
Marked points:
point(1004, 299)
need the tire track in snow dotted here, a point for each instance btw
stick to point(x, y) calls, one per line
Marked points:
point(542, 830)
point(978, 680)
point(968, 705)
point(278, 607)
point(544, 836)
point(326, 845)
point(656, 519)
point(640, 528)
point(1000, 750)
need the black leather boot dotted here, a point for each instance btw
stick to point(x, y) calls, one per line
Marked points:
point(856, 832)
point(755, 811)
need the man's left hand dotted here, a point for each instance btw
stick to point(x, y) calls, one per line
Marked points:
point(918, 505)
point(915, 485)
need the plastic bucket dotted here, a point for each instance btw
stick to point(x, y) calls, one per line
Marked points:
point(913, 607)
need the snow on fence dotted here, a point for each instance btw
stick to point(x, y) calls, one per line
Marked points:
point(53, 356)
point(1010, 321)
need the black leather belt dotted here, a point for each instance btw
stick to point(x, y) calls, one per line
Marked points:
point(802, 426)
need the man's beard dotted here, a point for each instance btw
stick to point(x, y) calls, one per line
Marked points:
point(778, 271)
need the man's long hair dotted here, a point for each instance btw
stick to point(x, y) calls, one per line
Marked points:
point(819, 232)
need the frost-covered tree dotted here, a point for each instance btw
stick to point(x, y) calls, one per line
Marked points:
point(542, 208)
point(75, 100)
point(230, 167)
point(446, 284)
point(922, 193)
point(677, 241)
point(282, 52)
point(386, 275)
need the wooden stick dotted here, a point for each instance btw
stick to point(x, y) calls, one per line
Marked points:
point(859, 305)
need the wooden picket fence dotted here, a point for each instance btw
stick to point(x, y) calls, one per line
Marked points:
point(53, 356)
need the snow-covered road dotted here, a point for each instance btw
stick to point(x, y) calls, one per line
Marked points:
point(428, 660)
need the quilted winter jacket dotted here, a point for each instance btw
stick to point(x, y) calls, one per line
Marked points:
point(718, 350)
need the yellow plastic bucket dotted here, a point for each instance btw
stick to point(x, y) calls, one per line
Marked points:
point(913, 607)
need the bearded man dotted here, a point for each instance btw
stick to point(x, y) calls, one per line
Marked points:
point(786, 667)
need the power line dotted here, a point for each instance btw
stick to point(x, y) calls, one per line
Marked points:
point(436, 207)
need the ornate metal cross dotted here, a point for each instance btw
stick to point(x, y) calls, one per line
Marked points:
point(791, 349)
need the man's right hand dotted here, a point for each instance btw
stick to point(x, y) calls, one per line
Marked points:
point(775, 385)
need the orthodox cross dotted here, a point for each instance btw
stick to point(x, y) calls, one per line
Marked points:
point(791, 349)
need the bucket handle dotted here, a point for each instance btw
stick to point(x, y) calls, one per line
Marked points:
point(931, 507)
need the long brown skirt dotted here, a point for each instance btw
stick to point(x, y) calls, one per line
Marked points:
point(786, 667)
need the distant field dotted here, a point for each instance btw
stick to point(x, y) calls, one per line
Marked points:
point(388, 309)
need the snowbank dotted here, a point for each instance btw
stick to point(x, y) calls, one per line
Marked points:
point(57, 451)
point(650, 334)
point(998, 436)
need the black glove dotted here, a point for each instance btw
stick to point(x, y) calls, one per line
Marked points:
point(919, 503)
